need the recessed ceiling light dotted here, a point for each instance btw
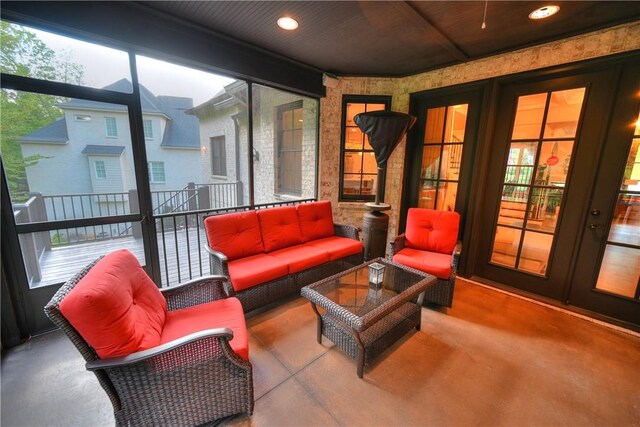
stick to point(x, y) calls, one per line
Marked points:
point(287, 23)
point(544, 12)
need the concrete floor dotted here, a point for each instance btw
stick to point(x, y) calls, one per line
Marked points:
point(491, 360)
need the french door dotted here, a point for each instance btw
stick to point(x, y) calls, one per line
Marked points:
point(559, 206)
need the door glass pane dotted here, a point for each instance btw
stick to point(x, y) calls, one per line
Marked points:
point(544, 209)
point(620, 271)
point(435, 125)
point(447, 192)
point(535, 252)
point(375, 107)
point(430, 161)
point(631, 181)
point(553, 165)
point(427, 197)
point(625, 227)
point(369, 164)
point(513, 205)
point(353, 110)
point(564, 113)
point(369, 184)
point(529, 114)
point(539, 190)
point(352, 184)
point(451, 161)
point(505, 246)
point(456, 123)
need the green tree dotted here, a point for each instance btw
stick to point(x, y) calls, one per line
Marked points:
point(22, 53)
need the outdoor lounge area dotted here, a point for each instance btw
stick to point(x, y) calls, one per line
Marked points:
point(303, 213)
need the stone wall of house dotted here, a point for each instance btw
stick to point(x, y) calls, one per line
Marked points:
point(605, 42)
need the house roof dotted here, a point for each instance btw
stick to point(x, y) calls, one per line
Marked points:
point(182, 130)
point(231, 94)
point(104, 150)
point(55, 133)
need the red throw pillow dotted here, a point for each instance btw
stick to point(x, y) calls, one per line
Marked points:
point(431, 230)
point(279, 227)
point(316, 220)
point(237, 235)
point(116, 307)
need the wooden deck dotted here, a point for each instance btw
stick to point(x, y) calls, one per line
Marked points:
point(183, 259)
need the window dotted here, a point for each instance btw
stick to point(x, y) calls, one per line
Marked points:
point(148, 129)
point(156, 172)
point(110, 126)
point(289, 156)
point(218, 156)
point(358, 167)
point(101, 171)
point(82, 118)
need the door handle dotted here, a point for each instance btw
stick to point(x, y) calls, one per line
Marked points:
point(594, 226)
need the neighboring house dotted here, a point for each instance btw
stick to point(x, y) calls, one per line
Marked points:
point(88, 151)
point(284, 142)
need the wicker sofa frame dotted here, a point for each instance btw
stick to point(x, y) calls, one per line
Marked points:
point(191, 381)
point(275, 290)
point(442, 293)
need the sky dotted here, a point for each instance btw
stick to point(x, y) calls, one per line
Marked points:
point(103, 66)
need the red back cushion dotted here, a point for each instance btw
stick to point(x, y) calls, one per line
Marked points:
point(237, 235)
point(431, 230)
point(116, 307)
point(279, 228)
point(315, 219)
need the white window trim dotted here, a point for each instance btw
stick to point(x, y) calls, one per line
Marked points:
point(152, 176)
point(144, 127)
point(106, 127)
point(104, 168)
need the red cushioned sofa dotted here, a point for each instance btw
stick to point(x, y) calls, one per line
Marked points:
point(271, 253)
point(176, 356)
point(430, 244)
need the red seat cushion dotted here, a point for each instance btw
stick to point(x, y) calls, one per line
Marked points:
point(116, 307)
point(301, 257)
point(237, 235)
point(225, 313)
point(434, 263)
point(316, 220)
point(279, 228)
point(338, 247)
point(431, 230)
point(254, 270)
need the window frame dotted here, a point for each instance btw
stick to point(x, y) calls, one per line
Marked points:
point(152, 172)
point(220, 141)
point(357, 99)
point(107, 120)
point(280, 111)
point(149, 128)
point(103, 171)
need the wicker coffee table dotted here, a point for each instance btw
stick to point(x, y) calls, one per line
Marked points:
point(362, 319)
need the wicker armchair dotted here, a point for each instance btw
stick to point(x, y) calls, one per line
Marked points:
point(433, 234)
point(188, 381)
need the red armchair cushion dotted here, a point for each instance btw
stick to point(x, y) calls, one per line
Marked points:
point(433, 263)
point(338, 247)
point(254, 270)
point(279, 228)
point(316, 220)
point(237, 235)
point(224, 313)
point(431, 230)
point(116, 307)
point(301, 257)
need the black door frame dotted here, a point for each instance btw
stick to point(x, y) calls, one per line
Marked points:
point(475, 94)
